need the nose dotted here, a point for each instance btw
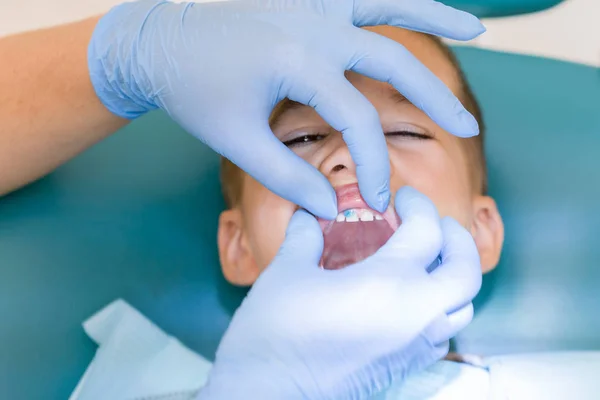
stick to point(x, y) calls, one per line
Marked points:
point(338, 165)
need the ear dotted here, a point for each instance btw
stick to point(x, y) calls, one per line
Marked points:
point(488, 231)
point(235, 253)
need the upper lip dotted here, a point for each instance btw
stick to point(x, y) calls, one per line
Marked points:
point(349, 197)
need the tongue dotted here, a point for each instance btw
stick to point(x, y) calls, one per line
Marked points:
point(349, 242)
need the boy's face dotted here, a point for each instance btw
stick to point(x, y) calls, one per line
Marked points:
point(422, 155)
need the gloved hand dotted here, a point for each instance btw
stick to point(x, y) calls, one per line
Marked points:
point(218, 69)
point(305, 332)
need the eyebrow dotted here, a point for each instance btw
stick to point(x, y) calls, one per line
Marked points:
point(284, 106)
point(288, 105)
point(397, 96)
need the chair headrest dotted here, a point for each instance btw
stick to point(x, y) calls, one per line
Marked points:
point(501, 8)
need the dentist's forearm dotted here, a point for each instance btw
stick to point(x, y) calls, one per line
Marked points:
point(49, 111)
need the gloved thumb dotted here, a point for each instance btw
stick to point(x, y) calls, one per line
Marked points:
point(262, 155)
point(303, 240)
point(419, 237)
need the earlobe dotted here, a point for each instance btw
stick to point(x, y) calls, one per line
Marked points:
point(235, 254)
point(488, 231)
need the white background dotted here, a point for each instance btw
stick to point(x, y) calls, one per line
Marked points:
point(569, 31)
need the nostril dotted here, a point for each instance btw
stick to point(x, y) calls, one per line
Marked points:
point(338, 168)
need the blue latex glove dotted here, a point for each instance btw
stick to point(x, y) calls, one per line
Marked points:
point(218, 69)
point(305, 332)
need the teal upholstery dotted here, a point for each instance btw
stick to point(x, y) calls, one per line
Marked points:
point(501, 8)
point(544, 171)
point(135, 217)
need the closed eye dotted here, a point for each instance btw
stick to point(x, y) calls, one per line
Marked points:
point(311, 138)
point(409, 135)
point(304, 139)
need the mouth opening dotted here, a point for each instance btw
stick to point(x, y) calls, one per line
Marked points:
point(357, 232)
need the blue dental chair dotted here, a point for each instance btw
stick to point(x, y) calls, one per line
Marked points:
point(135, 217)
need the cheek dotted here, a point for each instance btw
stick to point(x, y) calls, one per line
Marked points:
point(434, 173)
point(266, 217)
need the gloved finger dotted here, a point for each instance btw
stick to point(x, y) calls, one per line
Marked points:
point(459, 319)
point(419, 237)
point(385, 60)
point(303, 240)
point(421, 354)
point(445, 327)
point(282, 171)
point(418, 15)
point(459, 274)
point(349, 112)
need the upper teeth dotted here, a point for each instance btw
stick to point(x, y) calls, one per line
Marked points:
point(352, 218)
point(366, 216)
point(357, 215)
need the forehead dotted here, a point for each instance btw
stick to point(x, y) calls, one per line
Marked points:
point(376, 92)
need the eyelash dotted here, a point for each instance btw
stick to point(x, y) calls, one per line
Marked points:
point(409, 134)
point(306, 139)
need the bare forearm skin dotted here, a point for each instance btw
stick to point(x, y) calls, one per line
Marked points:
point(49, 111)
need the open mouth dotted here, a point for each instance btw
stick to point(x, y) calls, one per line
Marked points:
point(357, 232)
